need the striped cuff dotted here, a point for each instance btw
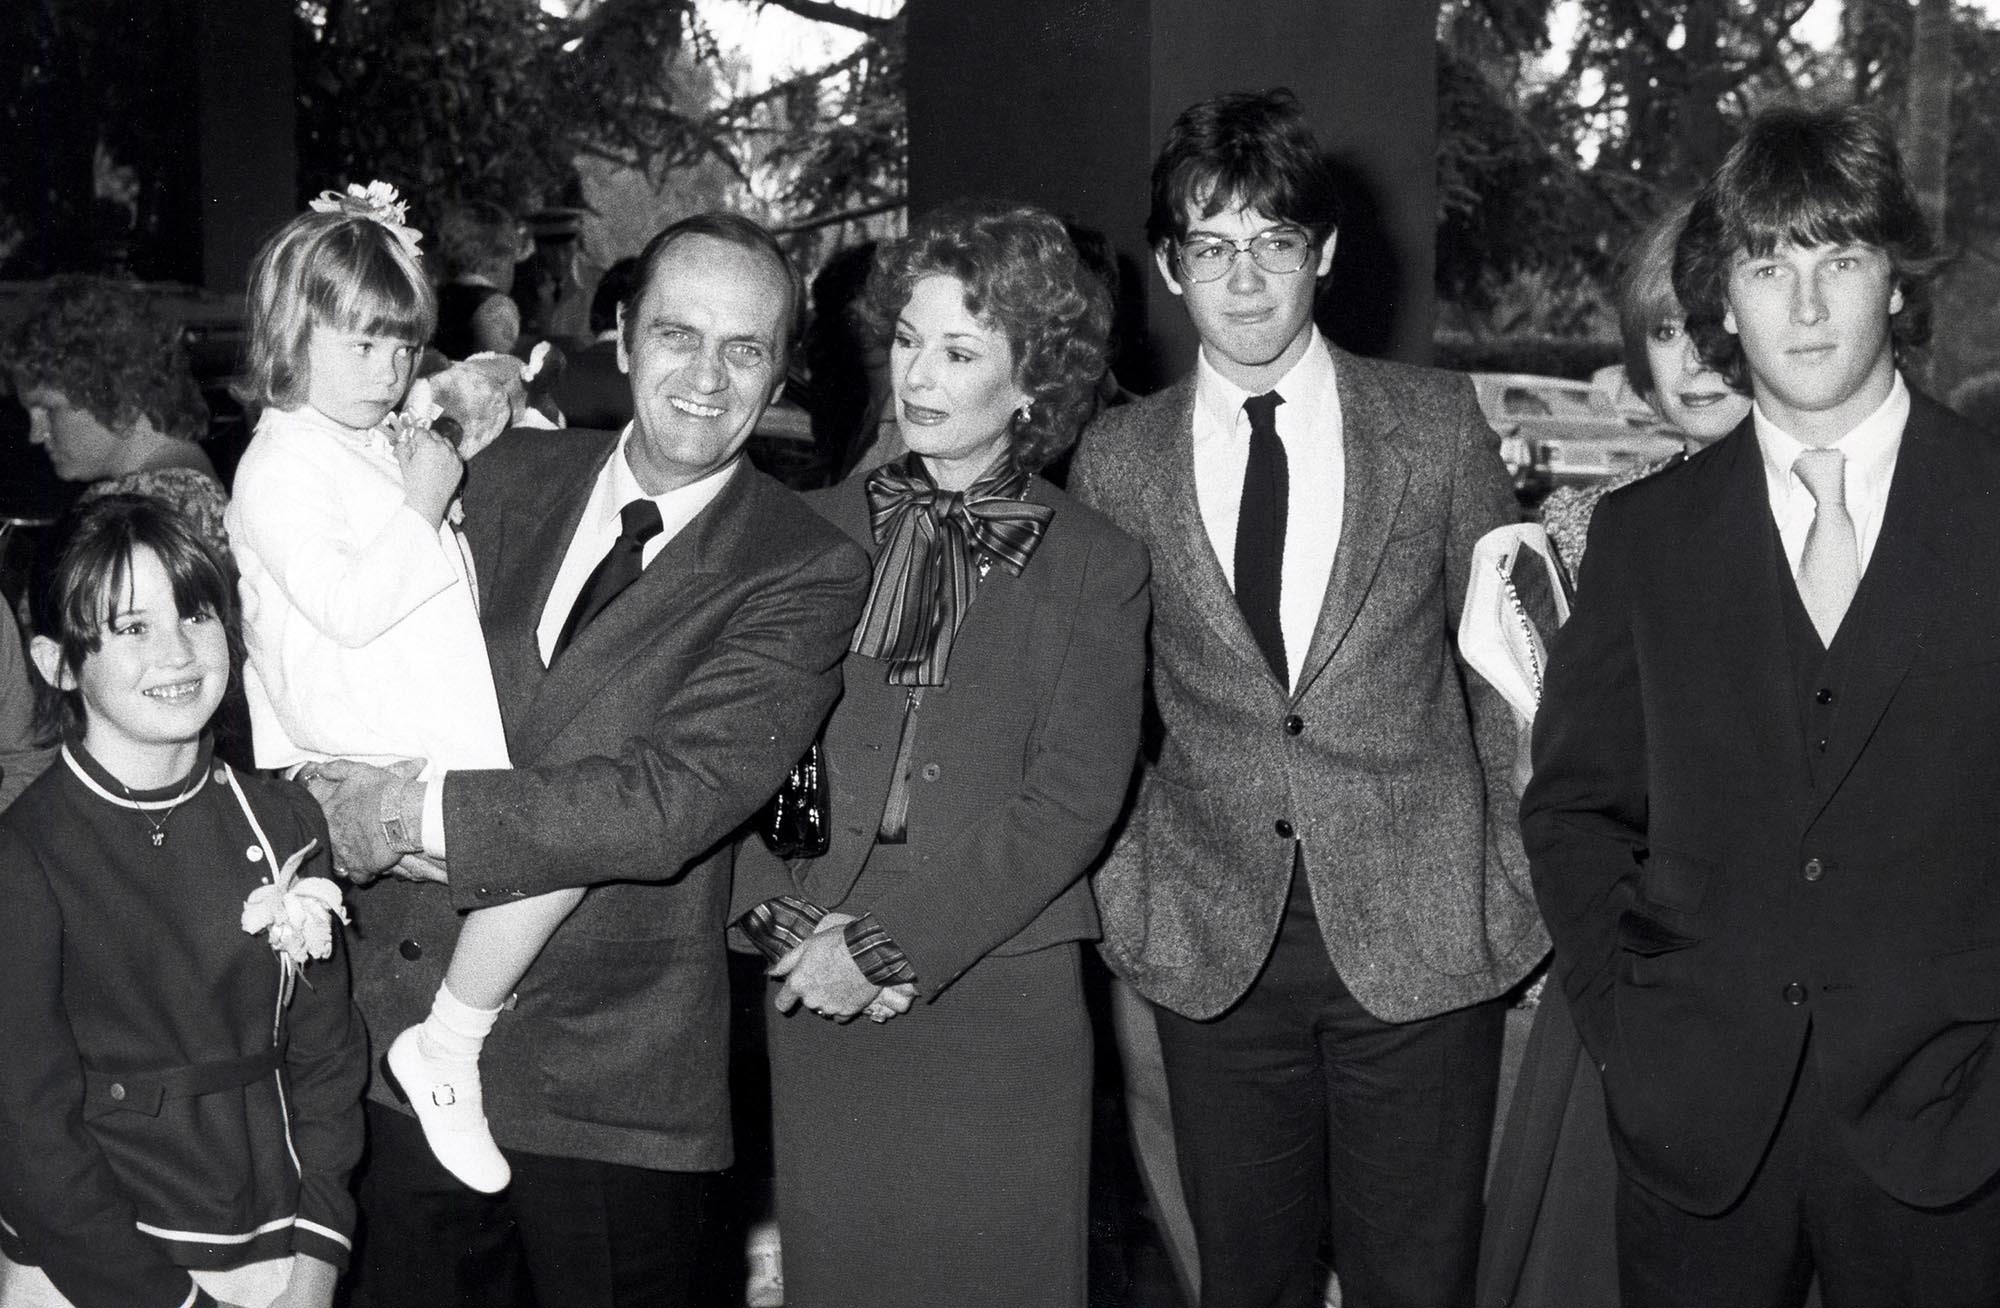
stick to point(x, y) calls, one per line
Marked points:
point(778, 926)
point(880, 958)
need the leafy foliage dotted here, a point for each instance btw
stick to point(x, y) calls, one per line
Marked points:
point(1878, 44)
point(84, 90)
point(843, 146)
point(486, 99)
point(1513, 202)
point(498, 100)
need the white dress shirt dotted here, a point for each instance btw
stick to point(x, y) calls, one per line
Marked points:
point(1871, 449)
point(1310, 428)
point(596, 531)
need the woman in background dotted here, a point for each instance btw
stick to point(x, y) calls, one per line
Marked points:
point(111, 397)
point(1662, 368)
point(939, 1154)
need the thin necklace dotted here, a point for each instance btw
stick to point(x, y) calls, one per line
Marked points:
point(160, 827)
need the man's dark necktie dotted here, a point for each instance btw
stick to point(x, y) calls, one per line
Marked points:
point(1260, 531)
point(619, 568)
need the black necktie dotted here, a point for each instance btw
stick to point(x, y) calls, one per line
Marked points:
point(619, 568)
point(1260, 531)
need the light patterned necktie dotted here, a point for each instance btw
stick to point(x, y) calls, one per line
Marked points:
point(1830, 568)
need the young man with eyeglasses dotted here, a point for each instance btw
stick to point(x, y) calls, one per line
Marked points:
point(1321, 887)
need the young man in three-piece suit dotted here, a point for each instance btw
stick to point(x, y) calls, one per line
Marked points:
point(1763, 819)
point(1321, 887)
point(644, 729)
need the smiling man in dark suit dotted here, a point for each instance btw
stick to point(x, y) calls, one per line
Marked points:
point(1321, 888)
point(1763, 822)
point(643, 732)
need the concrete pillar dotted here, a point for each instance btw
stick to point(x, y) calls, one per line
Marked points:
point(1065, 102)
point(246, 113)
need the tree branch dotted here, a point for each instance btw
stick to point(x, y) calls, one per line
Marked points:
point(824, 11)
point(846, 215)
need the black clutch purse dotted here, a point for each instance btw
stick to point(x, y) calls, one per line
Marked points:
point(793, 823)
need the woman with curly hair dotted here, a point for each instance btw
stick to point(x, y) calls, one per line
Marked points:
point(109, 393)
point(939, 1153)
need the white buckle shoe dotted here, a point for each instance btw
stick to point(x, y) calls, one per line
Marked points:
point(450, 1108)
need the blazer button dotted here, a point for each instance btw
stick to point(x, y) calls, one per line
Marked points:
point(411, 950)
point(1795, 994)
point(117, 1091)
point(1283, 828)
point(1813, 870)
point(1294, 725)
point(930, 772)
point(1824, 695)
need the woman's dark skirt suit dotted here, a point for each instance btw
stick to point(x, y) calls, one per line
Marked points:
point(942, 1157)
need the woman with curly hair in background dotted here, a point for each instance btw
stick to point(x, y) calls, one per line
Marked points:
point(939, 1152)
point(109, 393)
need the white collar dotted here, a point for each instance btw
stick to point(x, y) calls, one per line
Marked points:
point(1870, 446)
point(190, 784)
point(617, 486)
point(1309, 386)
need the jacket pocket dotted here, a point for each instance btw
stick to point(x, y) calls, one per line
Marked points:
point(1674, 881)
point(1649, 937)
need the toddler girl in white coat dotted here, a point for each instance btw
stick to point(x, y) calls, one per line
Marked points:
point(360, 606)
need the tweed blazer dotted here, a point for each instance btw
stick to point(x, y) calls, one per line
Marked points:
point(666, 723)
point(1389, 764)
point(1734, 848)
point(1020, 764)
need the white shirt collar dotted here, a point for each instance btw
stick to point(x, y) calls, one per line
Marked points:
point(1870, 447)
point(617, 487)
point(599, 527)
point(1309, 384)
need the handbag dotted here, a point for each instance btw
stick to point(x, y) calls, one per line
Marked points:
point(1501, 637)
point(794, 822)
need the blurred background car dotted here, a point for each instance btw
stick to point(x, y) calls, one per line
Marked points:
point(1558, 432)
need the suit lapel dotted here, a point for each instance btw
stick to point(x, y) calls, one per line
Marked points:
point(536, 537)
point(1180, 542)
point(1894, 602)
point(670, 587)
point(1376, 477)
point(1734, 589)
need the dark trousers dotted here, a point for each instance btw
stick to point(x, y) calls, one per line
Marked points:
point(1297, 1106)
point(568, 1233)
point(1809, 1209)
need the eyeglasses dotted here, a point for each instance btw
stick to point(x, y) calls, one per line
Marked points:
point(1278, 251)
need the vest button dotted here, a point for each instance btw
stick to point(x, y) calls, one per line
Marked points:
point(1294, 725)
point(1283, 828)
point(411, 950)
point(1795, 994)
point(1824, 695)
point(1813, 870)
point(930, 772)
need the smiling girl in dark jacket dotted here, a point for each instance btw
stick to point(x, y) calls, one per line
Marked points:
point(180, 1095)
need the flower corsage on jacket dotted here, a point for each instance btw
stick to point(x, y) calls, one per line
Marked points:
point(295, 914)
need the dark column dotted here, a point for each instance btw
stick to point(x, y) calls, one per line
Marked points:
point(1064, 103)
point(249, 169)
